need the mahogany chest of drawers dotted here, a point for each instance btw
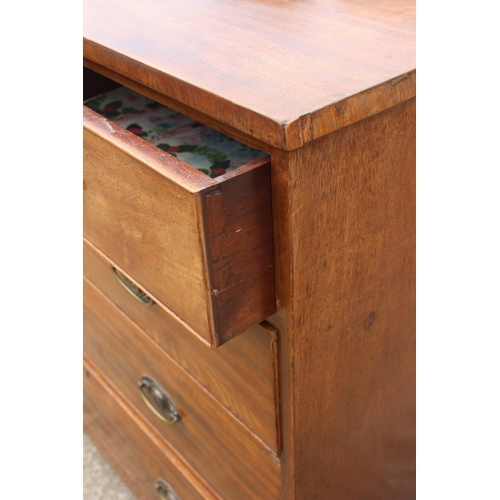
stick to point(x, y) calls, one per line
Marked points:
point(249, 331)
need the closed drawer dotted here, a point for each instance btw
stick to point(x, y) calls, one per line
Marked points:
point(242, 374)
point(144, 459)
point(201, 247)
point(224, 452)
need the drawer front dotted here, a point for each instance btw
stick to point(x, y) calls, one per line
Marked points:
point(200, 247)
point(226, 454)
point(241, 375)
point(131, 447)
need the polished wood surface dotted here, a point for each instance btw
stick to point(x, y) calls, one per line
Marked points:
point(328, 87)
point(241, 374)
point(226, 454)
point(345, 241)
point(285, 72)
point(143, 458)
point(203, 250)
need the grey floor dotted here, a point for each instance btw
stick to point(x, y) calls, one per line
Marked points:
point(99, 480)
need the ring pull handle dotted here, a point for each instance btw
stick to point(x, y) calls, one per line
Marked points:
point(165, 491)
point(132, 289)
point(158, 400)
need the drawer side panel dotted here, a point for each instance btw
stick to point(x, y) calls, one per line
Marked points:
point(240, 249)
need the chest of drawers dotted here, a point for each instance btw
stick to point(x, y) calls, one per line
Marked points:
point(250, 335)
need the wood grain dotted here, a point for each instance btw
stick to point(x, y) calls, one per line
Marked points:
point(226, 454)
point(240, 249)
point(328, 86)
point(283, 72)
point(149, 212)
point(224, 372)
point(113, 426)
point(345, 259)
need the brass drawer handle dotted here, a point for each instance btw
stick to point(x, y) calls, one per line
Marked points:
point(135, 291)
point(165, 491)
point(158, 400)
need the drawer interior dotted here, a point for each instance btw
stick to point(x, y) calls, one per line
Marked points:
point(211, 152)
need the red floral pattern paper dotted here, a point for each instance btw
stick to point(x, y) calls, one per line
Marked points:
point(202, 147)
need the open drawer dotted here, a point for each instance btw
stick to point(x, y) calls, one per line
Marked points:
point(201, 247)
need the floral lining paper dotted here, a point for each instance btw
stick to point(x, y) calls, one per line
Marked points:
point(202, 147)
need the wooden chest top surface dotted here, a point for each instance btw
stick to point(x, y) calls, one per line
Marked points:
point(284, 72)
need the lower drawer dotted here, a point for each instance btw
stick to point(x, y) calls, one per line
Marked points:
point(241, 374)
point(224, 452)
point(133, 450)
